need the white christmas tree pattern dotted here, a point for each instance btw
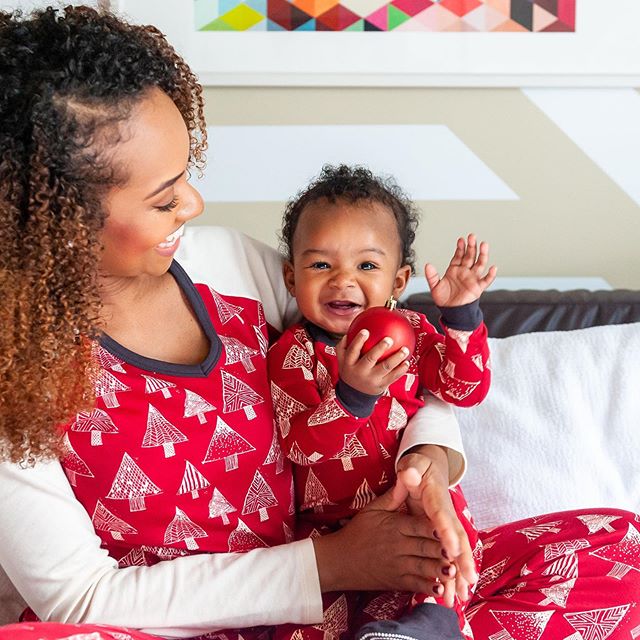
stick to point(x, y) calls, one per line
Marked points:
point(364, 495)
point(455, 387)
point(292, 498)
point(106, 359)
point(461, 337)
point(236, 351)
point(183, 529)
point(104, 520)
point(73, 464)
point(537, 530)
point(286, 406)
point(164, 553)
point(275, 453)
point(335, 620)
point(557, 549)
point(397, 416)
point(161, 433)
point(523, 625)
point(226, 310)
point(259, 498)
point(297, 457)
point(135, 558)
point(597, 624)
point(409, 379)
point(262, 340)
point(595, 522)
point(192, 481)
point(95, 422)
point(195, 405)
point(323, 378)
point(329, 350)
point(288, 532)
point(299, 358)
point(155, 384)
point(491, 573)
point(564, 567)
point(477, 360)
point(238, 395)
point(386, 606)
point(328, 411)
point(132, 484)
point(352, 449)
point(117, 635)
point(625, 554)
point(315, 494)
point(558, 593)
point(220, 507)
point(226, 444)
point(383, 452)
point(509, 593)
point(106, 387)
point(300, 334)
point(243, 539)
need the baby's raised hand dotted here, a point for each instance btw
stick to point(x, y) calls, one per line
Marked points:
point(363, 371)
point(465, 278)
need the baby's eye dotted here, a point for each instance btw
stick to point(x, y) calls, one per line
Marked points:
point(320, 265)
point(368, 266)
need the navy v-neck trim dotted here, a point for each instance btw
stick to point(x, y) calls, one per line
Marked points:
point(169, 368)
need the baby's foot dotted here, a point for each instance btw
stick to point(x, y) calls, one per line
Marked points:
point(424, 622)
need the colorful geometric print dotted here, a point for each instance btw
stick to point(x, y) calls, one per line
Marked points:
point(385, 15)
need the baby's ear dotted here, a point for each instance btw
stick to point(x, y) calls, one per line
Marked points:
point(402, 280)
point(288, 274)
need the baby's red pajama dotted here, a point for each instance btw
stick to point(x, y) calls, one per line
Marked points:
point(344, 443)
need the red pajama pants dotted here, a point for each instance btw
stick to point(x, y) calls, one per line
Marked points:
point(565, 576)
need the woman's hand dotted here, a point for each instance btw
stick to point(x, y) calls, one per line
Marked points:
point(424, 472)
point(381, 549)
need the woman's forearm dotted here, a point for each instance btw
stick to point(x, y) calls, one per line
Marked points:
point(51, 553)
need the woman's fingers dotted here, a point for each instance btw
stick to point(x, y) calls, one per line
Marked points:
point(381, 549)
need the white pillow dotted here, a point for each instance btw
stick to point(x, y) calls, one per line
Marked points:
point(560, 428)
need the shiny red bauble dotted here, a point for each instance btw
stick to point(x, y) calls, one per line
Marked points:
point(381, 322)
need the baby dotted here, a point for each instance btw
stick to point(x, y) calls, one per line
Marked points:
point(340, 412)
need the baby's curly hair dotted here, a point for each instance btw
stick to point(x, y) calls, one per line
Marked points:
point(69, 78)
point(354, 184)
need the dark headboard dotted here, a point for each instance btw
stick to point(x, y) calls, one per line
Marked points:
point(507, 313)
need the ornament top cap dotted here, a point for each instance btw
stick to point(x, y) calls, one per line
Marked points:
point(391, 303)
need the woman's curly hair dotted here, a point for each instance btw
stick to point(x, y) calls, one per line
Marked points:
point(354, 184)
point(68, 77)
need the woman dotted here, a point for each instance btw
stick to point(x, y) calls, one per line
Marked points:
point(166, 450)
point(100, 121)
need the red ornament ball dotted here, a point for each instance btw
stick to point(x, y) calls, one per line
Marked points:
point(381, 322)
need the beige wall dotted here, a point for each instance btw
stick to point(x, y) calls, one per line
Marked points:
point(571, 218)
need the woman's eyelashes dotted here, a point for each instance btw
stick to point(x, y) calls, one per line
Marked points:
point(169, 206)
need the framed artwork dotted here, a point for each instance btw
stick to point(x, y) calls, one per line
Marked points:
point(402, 42)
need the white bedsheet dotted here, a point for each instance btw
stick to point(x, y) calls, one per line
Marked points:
point(560, 428)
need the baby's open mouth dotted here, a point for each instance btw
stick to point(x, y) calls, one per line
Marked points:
point(343, 305)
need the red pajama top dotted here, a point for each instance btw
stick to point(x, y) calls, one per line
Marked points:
point(178, 459)
point(343, 443)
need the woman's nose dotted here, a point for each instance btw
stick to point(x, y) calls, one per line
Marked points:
point(193, 204)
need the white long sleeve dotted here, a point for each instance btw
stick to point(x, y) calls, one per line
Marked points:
point(50, 552)
point(436, 423)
